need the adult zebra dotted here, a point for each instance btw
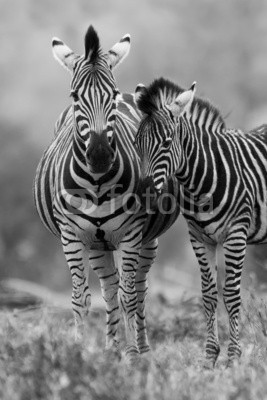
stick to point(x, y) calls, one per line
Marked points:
point(86, 192)
point(223, 196)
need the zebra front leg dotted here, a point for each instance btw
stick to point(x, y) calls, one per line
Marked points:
point(128, 295)
point(77, 259)
point(206, 256)
point(103, 265)
point(234, 253)
point(146, 259)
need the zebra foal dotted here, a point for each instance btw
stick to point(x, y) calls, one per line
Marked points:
point(85, 192)
point(223, 196)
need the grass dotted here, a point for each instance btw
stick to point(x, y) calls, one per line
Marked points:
point(40, 360)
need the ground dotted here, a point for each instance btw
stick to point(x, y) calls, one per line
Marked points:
point(40, 360)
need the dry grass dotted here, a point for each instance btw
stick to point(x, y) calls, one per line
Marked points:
point(39, 359)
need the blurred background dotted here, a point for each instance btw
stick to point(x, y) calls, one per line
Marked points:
point(222, 45)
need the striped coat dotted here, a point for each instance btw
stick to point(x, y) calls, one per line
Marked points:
point(223, 196)
point(87, 192)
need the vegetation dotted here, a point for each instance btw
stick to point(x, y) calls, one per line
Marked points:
point(40, 360)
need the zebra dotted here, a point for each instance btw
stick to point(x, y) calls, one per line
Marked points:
point(86, 192)
point(223, 178)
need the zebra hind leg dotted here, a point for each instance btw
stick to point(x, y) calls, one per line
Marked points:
point(206, 256)
point(77, 260)
point(102, 262)
point(234, 253)
point(146, 259)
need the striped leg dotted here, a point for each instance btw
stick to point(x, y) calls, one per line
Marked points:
point(206, 256)
point(127, 293)
point(103, 264)
point(234, 253)
point(146, 259)
point(77, 259)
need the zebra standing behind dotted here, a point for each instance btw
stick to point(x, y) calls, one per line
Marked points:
point(223, 196)
point(85, 192)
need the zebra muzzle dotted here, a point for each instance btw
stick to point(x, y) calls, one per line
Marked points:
point(148, 194)
point(99, 154)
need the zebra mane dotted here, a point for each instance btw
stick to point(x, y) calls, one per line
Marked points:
point(91, 43)
point(162, 92)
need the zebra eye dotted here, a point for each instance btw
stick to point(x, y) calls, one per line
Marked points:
point(74, 95)
point(115, 93)
point(167, 143)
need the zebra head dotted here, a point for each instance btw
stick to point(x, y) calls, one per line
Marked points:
point(162, 105)
point(94, 93)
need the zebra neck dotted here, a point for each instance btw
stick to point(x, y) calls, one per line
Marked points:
point(200, 158)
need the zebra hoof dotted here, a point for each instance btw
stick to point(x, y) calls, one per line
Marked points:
point(146, 360)
point(132, 357)
point(209, 364)
point(79, 334)
point(212, 354)
point(112, 354)
point(234, 354)
point(232, 362)
point(132, 362)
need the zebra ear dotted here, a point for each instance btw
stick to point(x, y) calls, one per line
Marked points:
point(63, 54)
point(139, 91)
point(119, 51)
point(182, 102)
